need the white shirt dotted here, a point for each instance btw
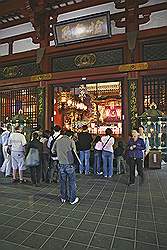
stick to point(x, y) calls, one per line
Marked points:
point(17, 141)
point(146, 141)
point(110, 143)
point(5, 137)
point(50, 140)
point(99, 145)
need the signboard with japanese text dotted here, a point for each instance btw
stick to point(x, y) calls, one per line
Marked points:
point(94, 26)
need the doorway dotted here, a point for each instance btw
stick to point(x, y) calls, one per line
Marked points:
point(97, 105)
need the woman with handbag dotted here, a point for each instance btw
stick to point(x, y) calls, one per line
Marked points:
point(34, 159)
point(107, 153)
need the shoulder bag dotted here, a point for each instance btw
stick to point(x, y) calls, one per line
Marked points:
point(33, 158)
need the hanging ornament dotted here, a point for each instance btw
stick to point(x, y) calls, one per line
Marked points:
point(82, 92)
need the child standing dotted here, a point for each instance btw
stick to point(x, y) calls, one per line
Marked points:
point(119, 155)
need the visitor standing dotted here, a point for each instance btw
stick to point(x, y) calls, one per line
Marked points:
point(53, 162)
point(107, 153)
point(97, 155)
point(35, 170)
point(17, 143)
point(84, 143)
point(65, 148)
point(119, 154)
point(136, 146)
point(6, 166)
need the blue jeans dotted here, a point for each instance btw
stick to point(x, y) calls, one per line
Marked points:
point(97, 161)
point(107, 163)
point(84, 156)
point(67, 177)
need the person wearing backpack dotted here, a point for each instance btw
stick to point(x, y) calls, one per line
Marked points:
point(53, 163)
point(107, 153)
point(35, 170)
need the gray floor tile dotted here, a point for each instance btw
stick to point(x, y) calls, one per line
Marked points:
point(87, 226)
point(5, 231)
point(124, 232)
point(144, 246)
point(34, 241)
point(75, 246)
point(102, 241)
point(63, 233)
point(162, 239)
point(53, 244)
point(81, 237)
point(123, 244)
point(147, 237)
point(18, 236)
point(105, 229)
point(45, 229)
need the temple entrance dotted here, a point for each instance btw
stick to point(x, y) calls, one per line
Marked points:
point(98, 105)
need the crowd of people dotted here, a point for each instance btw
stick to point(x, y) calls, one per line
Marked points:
point(56, 155)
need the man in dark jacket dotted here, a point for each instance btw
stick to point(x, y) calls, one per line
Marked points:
point(84, 142)
point(136, 146)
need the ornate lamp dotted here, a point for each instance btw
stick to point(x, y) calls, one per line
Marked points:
point(155, 123)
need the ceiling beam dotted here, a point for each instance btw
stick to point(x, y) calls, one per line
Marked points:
point(78, 6)
point(14, 23)
point(11, 6)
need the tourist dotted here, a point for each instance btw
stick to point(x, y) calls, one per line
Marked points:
point(52, 174)
point(107, 153)
point(45, 155)
point(97, 155)
point(65, 148)
point(6, 166)
point(119, 154)
point(143, 136)
point(17, 143)
point(84, 142)
point(35, 166)
point(136, 146)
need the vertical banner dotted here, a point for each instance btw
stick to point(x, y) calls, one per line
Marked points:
point(132, 103)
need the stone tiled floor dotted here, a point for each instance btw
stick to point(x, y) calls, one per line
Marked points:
point(110, 215)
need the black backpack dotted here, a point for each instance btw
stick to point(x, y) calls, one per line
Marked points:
point(51, 146)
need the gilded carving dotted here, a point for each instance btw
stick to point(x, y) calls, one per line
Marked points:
point(11, 71)
point(41, 77)
point(86, 60)
point(133, 103)
point(133, 67)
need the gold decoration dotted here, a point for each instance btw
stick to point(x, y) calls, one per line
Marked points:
point(85, 60)
point(133, 67)
point(11, 71)
point(133, 103)
point(41, 77)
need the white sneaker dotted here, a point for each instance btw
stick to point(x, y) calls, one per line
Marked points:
point(75, 201)
point(99, 173)
point(63, 200)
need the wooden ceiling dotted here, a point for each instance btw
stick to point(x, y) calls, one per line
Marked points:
point(14, 12)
